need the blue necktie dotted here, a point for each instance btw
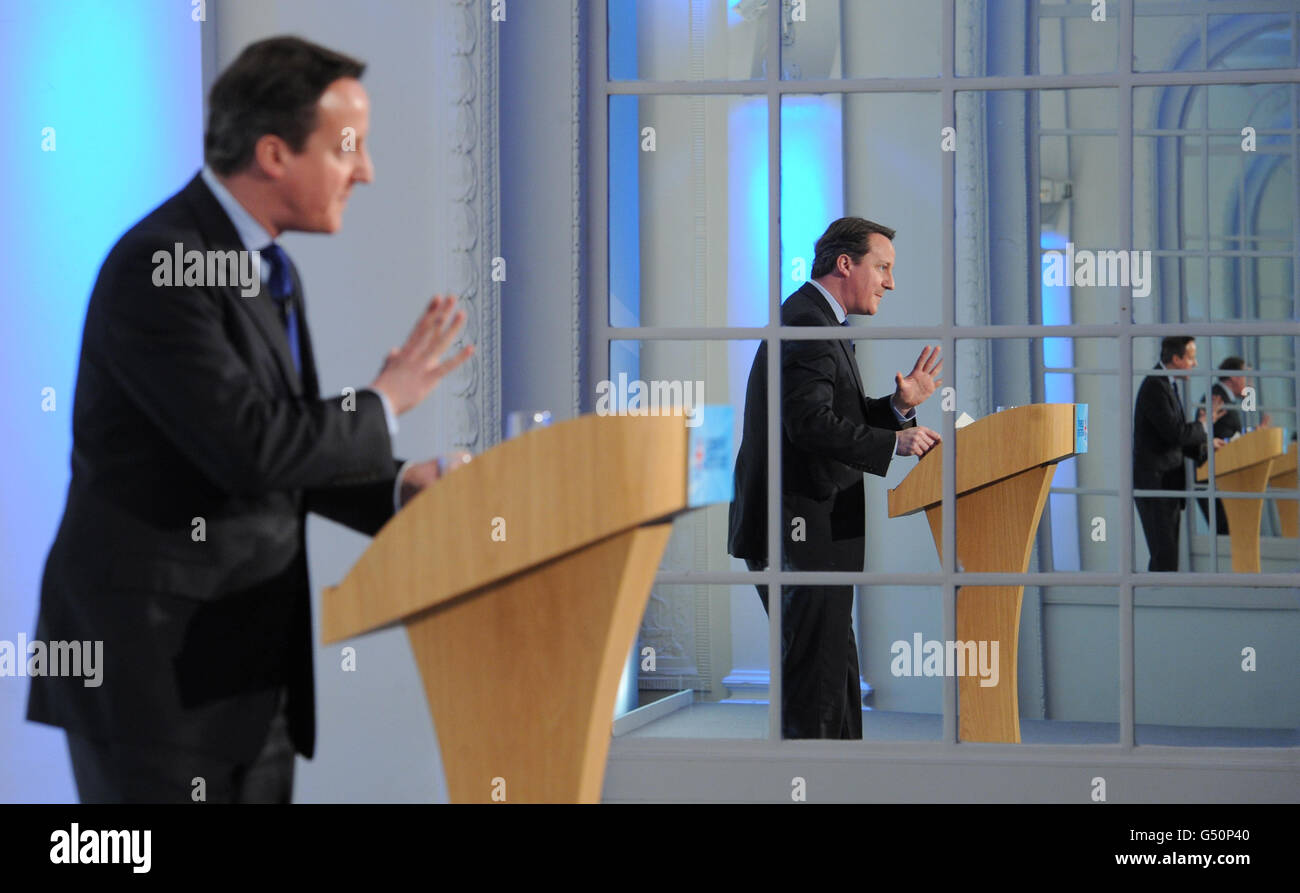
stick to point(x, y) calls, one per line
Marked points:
point(281, 285)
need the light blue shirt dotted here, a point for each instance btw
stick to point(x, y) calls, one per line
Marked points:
point(840, 315)
point(251, 234)
point(254, 237)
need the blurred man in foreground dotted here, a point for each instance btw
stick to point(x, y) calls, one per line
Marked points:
point(200, 441)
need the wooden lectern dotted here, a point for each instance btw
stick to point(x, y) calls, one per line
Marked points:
point(1005, 464)
point(521, 579)
point(1243, 465)
point(1284, 477)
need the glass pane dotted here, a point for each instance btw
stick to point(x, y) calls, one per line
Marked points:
point(1247, 385)
point(1217, 667)
point(1170, 218)
point(1083, 278)
point(1167, 38)
point(1167, 42)
point(701, 668)
point(1265, 107)
point(686, 40)
point(874, 156)
point(829, 40)
point(1252, 41)
point(1250, 288)
point(840, 451)
point(906, 697)
point(647, 377)
point(1046, 37)
point(1072, 653)
point(1077, 37)
point(1079, 527)
point(1214, 197)
point(688, 211)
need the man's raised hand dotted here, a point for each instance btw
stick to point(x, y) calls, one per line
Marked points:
point(920, 383)
point(411, 371)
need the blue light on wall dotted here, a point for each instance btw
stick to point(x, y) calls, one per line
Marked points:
point(812, 179)
point(119, 85)
point(747, 216)
point(1058, 387)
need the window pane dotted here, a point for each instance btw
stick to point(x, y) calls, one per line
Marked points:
point(647, 376)
point(1167, 38)
point(702, 665)
point(863, 39)
point(1167, 42)
point(685, 40)
point(1217, 667)
point(1251, 387)
point(1048, 37)
point(688, 211)
point(1002, 277)
point(866, 155)
point(839, 453)
point(1073, 654)
point(906, 697)
point(1079, 527)
point(1252, 41)
point(1077, 37)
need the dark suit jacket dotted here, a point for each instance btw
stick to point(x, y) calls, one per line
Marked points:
point(1230, 425)
point(1162, 437)
point(188, 406)
point(830, 434)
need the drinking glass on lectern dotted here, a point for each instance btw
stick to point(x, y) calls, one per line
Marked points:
point(522, 420)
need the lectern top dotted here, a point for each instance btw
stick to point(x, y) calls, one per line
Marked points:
point(1288, 463)
point(996, 447)
point(1250, 449)
point(527, 501)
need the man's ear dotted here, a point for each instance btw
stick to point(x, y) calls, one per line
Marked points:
point(270, 156)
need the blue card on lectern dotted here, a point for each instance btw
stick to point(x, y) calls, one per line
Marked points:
point(708, 459)
point(1081, 427)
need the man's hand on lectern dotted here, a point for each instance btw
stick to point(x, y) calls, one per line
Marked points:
point(915, 441)
point(417, 476)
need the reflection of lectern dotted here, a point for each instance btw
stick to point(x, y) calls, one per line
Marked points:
point(1004, 470)
point(1243, 465)
point(1284, 477)
point(521, 579)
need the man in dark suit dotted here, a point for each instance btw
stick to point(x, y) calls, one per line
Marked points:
point(1228, 393)
point(1227, 422)
point(200, 440)
point(1162, 439)
point(831, 433)
point(1225, 393)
